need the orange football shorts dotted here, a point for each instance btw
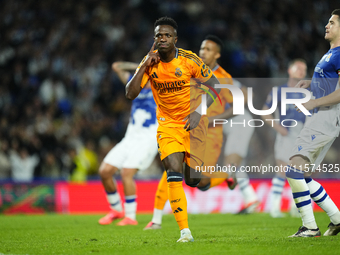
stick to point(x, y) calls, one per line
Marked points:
point(176, 139)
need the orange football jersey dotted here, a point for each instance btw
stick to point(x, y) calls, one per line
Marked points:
point(174, 95)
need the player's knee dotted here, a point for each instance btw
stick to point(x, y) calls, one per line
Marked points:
point(106, 170)
point(127, 174)
point(192, 182)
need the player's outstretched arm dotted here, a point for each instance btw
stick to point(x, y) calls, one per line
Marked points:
point(329, 100)
point(193, 119)
point(133, 87)
point(304, 84)
point(211, 82)
point(123, 69)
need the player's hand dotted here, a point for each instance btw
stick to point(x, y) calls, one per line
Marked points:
point(211, 121)
point(310, 105)
point(303, 84)
point(192, 120)
point(152, 58)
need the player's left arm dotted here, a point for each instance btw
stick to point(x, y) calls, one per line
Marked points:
point(211, 82)
point(193, 119)
point(334, 97)
point(329, 100)
point(122, 69)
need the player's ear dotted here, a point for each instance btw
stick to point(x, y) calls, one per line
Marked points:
point(217, 55)
point(289, 71)
point(176, 39)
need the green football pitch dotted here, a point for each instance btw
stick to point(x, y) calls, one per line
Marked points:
point(213, 234)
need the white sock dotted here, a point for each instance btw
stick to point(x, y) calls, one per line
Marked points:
point(114, 200)
point(293, 209)
point(301, 196)
point(130, 206)
point(321, 198)
point(276, 193)
point(157, 216)
point(247, 190)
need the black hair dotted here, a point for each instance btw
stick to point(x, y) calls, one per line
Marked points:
point(292, 62)
point(166, 21)
point(336, 12)
point(215, 39)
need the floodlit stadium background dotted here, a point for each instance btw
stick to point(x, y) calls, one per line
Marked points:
point(71, 45)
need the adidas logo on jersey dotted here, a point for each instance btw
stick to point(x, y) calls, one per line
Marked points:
point(313, 137)
point(300, 148)
point(154, 75)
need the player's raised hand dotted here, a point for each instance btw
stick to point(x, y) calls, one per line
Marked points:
point(152, 57)
point(303, 84)
point(193, 119)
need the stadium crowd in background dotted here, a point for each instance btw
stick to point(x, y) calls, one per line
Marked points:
point(61, 106)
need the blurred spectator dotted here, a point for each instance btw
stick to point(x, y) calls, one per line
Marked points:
point(77, 166)
point(88, 154)
point(23, 165)
point(51, 168)
point(52, 90)
point(5, 164)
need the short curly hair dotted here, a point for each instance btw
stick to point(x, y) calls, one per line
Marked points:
point(166, 21)
point(215, 39)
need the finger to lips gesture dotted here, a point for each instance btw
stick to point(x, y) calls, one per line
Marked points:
point(152, 57)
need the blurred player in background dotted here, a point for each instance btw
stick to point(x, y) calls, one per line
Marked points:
point(236, 149)
point(170, 71)
point(317, 136)
point(135, 152)
point(285, 136)
point(210, 52)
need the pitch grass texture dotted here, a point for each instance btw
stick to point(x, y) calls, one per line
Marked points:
point(213, 234)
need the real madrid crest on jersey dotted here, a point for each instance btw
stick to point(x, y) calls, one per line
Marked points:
point(328, 57)
point(178, 72)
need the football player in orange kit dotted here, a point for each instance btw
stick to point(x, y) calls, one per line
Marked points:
point(210, 52)
point(182, 130)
